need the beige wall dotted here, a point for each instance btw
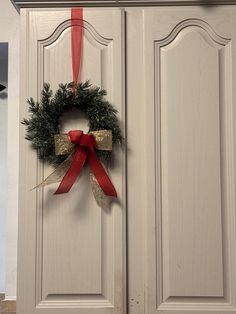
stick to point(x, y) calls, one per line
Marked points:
point(3, 162)
point(9, 32)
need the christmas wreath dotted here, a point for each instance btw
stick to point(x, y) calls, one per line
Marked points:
point(68, 152)
point(44, 121)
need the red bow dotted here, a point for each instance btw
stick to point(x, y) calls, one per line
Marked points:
point(85, 144)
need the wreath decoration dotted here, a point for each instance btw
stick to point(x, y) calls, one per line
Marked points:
point(43, 124)
point(44, 121)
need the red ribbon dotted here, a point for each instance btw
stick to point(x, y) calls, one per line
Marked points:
point(85, 144)
point(76, 40)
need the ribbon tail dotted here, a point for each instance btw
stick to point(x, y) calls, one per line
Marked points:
point(102, 200)
point(57, 174)
point(73, 171)
point(100, 174)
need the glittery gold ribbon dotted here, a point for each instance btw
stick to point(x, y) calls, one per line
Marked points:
point(63, 146)
point(102, 199)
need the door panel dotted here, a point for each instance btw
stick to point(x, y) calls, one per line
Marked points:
point(189, 119)
point(190, 143)
point(189, 61)
point(77, 250)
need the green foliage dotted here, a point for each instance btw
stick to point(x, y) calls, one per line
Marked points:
point(45, 116)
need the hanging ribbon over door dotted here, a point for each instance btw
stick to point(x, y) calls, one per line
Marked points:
point(76, 40)
point(83, 143)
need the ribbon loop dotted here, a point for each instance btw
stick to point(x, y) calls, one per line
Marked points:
point(76, 41)
point(75, 136)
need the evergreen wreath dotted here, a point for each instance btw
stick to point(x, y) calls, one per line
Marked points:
point(45, 117)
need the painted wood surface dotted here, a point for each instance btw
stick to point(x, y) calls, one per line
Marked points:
point(180, 73)
point(71, 252)
point(189, 73)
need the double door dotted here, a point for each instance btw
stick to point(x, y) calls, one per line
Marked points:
point(168, 245)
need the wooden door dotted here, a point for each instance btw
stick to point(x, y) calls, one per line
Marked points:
point(182, 249)
point(71, 252)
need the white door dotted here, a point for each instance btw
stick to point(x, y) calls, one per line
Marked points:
point(71, 253)
point(181, 120)
point(181, 129)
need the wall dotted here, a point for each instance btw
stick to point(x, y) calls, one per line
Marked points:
point(3, 162)
point(9, 32)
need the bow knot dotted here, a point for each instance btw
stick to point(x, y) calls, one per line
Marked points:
point(78, 137)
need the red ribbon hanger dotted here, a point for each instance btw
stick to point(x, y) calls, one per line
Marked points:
point(84, 143)
point(76, 40)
